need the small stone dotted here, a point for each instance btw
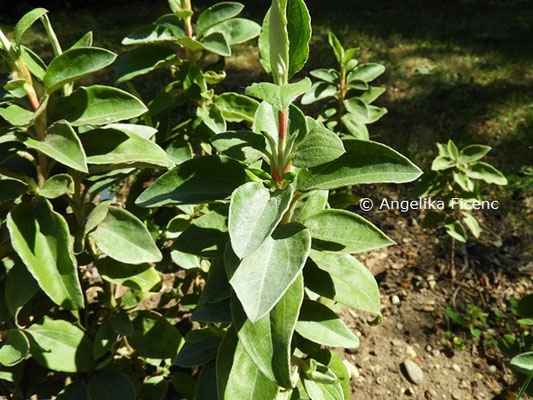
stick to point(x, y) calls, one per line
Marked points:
point(463, 384)
point(410, 351)
point(430, 394)
point(413, 371)
point(456, 368)
point(409, 392)
point(432, 284)
point(395, 300)
point(493, 369)
point(396, 342)
point(429, 349)
point(353, 371)
point(399, 326)
point(456, 396)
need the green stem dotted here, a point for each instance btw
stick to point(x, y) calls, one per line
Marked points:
point(525, 385)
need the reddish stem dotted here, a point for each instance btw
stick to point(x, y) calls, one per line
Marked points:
point(283, 124)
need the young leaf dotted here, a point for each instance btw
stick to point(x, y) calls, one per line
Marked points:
point(320, 324)
point(34, 63)
point(486, 172)
point(279, 96)
point(123, 237)
point(61, 346)
point(456, 230)
point(472, 224)
point(342, 231)
point(216, 14)
point(26, 21)
point(216, 43)
point(62, 144)
point(441, 163)
point(363, 162)
point(332, 360)
point(98, 105)
point(336, 45)
point(167, 31)
point(473, 153)
point(206, 387)
point(254, 213)
point(200, 180)
point(105, 338)
point(299, 30)
point(523, 363)
point(452, 150)
point(268, 341)
point(74, 64)
point(327, 75)
point(85, 41)
point(323, 385)
point(318, 147)
point(344, 279)
point(41, 238)
point(111, 386)
point(237, 375)
point(16, 115)
point(154, 336)
point(116, 148)
point(14, 349)
point(261, 279)
point(57, 186)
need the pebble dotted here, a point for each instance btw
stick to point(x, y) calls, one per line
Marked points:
point(456, 396)
point(410, 351)
point(456, 368)
point(396, 342)
point(413, 371)
point(399, 326)
point(395, 300)
point(463, 384)
point(493, 369)
point(430, 394)
point(353, 371)
point(429, 348)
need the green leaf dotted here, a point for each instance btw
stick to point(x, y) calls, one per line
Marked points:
point(523, 363)
point(200, 180)
point(41, 238)
point(85, 41)
point(104, 339)
point(254, 213)
point(441, 163)
point(111, 386)
point(342, 231)
point(237, 375)
point(156, 388)
point(215, 43)
point(99, 105)
point(26, 21)
point(318, 147)
point(122, 148)
point(336, 365)
point(310, 205)
point(363, 162)
point(14, 349)
point(62, 144)
point(216, 14)
point(236, 30)
point(473, 153)
point(199, 348)
point(486, 172)
point(206, 236)
point(372, 94)
point(342, 278)
point(326, 388)
point(327, 75)
point(206, 387)
point(75, 391)
point(261, 279)
point(16, 115)
point(11, 189)
point(141, 277)
point(336, 45)
point(524, 308)
point(167, 29)
point(299, 29)
point(452, 150)
point(279, 96)
point(236, 107)
point(74, 64)
point(61, 346)
point(456, 230)
point(268, 341)
point(154, 337)
point(472, 224)
point(244, 146)
point(123, 237)
point(57, 186)
point(142, 60)
point(34, 63)
point(320, 324)
point(366, 72)
point(212, 117)
point(20, 287)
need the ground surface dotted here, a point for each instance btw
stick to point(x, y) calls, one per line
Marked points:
point(459, 69)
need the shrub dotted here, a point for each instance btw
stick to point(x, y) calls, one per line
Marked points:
point(95, 304)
